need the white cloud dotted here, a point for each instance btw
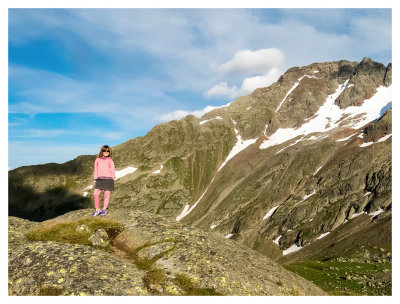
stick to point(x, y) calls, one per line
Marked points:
point(249, 62)
point(258, 69)
point(222, 89)
point(248, 85)
point(252, 83)
point(176, 115)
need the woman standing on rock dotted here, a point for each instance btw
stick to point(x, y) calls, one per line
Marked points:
point(104, 175)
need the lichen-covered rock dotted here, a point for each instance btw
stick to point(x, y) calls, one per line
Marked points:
point(211, 263)
point(99, 238)
point(207, 258)
point(53, 268)
point(82, 228)
point(17, 228)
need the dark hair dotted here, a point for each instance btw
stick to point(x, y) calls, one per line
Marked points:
point(103, 148)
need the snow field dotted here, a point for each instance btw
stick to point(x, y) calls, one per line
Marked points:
point(323, 235)
point(347, 138)
point(291, 249)
point(382, 139)
point(292, 89)
point(270, 212)
point(159, 170)
point(186, 210)
point(123, 172)
point(85, 193)
point(308, 195)
point(329, 116)
point(204, 121)
point(276, 241)
point(239, 146)
point(317, 170)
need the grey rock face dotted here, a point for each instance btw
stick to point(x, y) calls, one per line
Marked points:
point(366, 78)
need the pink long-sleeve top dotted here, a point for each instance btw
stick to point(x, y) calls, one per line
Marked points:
point(104, 167)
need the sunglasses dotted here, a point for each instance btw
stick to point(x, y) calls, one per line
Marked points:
point(106, 151)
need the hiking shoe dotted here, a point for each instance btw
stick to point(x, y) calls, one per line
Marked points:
point(103, 212)
point(96, 212)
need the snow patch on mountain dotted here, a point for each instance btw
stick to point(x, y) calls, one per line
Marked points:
point(323, 235)
point(309, 195)
point(297, 141)
point(239, 146)
point(292, 89)
point(159, 170)
point(317, 170)
point(204, 121)
point(372, 214)
point(329, 116)
point(265, 130)
point(376, 213)
point(291, 249)
point(276, 241)
point(357, 214)
point(123, 172)
point(270, 212)
point(382, 139)
point(347, 138)
point(85, 191)
point(186, 210)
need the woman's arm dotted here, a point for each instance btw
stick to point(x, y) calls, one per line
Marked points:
point(95, 173)
point(112, 167)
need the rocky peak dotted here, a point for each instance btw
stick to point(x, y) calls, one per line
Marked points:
point(367, 77)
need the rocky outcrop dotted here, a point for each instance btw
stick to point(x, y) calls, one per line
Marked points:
point(151, 256)
point(366, 78)
point(52, 268)
point(380, 129)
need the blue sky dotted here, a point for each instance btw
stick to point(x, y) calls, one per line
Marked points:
point(82, 78)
